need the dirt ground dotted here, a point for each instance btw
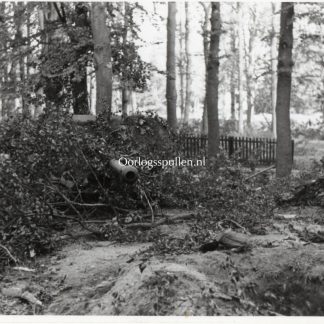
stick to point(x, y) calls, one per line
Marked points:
point(280, 274)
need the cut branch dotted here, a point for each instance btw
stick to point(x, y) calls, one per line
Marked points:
point(257, 173)
point(9, 254)
point(166, 220)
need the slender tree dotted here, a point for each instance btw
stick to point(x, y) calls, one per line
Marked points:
point(188, 66)
point(126, 89)
point(248, 51)
point(285, 64)
point(273, 69)
point(171, 94)
point(232, 77)
point(3, 69)
point(19, 64)
point(51, 38)
point(29, 9)
point(205, 34)
point(102, 57)
point(181, 66)
point(241, 65)
point(43, 40)
point(79, 77)
point(213, 81)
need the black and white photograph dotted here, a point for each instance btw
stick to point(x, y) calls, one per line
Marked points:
point(161, 159)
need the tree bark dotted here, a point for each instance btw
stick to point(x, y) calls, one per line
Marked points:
point(28, 31)
point(205, 27)
point(213, 81)
point(3, 69)
point(182, 71)
point(273, 70)
point(50, 38)
point(126, 89)
point(248, 48)
point(102, 58)
point(171, 94)
point(285, 64)
point(188, 67)
point(42, 17)
point(241, 66)
point(20, 22)
point(232, 81)
point(17, 73)
point(79, 79)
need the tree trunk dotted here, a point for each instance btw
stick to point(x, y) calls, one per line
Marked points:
point(285, 64)
point(92, 89)
point(102, 58)
point(133, 102)
point(241, 65)
point(79, 79)
point(182, 71)
point(171, 94)
point(3, 69)
point(188, 67)
point(44, 47)
point(204, 128)
point(232, 81)
point(21, 21)
point(213, 81)
point(51, 38)
point(17, 71)
point(126, 94)
point(28, 31)
point(248, 48)
point(126, 90)
point(273, 70)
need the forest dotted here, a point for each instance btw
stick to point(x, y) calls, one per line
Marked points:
point(162, 158)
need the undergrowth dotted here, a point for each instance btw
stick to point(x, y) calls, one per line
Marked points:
point(54, 172)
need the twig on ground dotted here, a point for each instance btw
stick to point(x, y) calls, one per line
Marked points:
point(262, 171)
point(160, 222)
point(235, 223)
point(122, 209)
point(146, 225)
point(9, 254)
point(99, 221)
point(23, 269)
point(116, 130)
point(87, 205)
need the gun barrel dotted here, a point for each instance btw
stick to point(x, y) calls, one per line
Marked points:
point(128, 173)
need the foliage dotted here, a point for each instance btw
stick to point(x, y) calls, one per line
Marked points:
point(57, 55)
point(129, 66)
point(54, 168)
point(57, 171)
point(221, 196)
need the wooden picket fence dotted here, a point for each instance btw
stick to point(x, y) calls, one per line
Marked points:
point(257, 150)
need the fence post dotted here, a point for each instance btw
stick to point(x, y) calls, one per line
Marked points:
point(230, 146)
